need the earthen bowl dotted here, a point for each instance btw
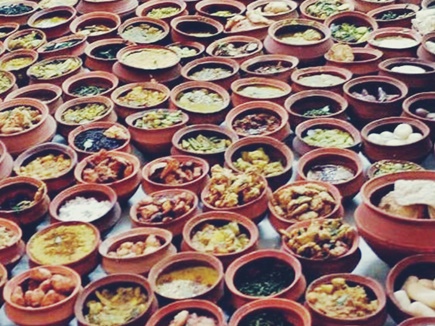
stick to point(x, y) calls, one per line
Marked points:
point(123, 9)
point(207, 8)
point(292, 11)
point(20, 71)
point(399, 9)
point(198, 47)
point(374, 168)
point(239, 41)
point(368, 5)
point(21, 33)
point(422, 100)
point(111, 20)
point(185, 28)
point(305, 12)
point(144, 9)
point(287, 62)
point(93, 62)
point(20, 19)
point(423, 51)
point(12, 84)
point(77, 49)
point(10, 254)
point(8, 29)
point(6, 162)
point(299, 74)
point(365, 61)
point(418, 321)
point(159, 24)
point(54, 31)
point(94, 78)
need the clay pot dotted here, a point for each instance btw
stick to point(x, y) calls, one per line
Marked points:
point(124, 188)
point(184, 28)
point(99, 192)
point(371, 286)
point(144, 9)
point(3, 280)
point(22, 33)
point(291, 13)
point(95, 78)
point(122, 9)
point(374, 168)
point(57, 314)
point(369, 5)
point(76, 50)
point(195, 117)
point(195, 186)
point(288, 64)
point(301, 147)
point(93, 62)
point(421, 100)
point(293, 292)
point(206, 130)
point(140, 264)
point(218, 219)
point(106, 18)
point(43, 131)
point(155, 142)
point(414, 152)
point(198, 47)
point(24, 186)
point(307, 3)
point(207, 8)
point(19, 72)
point(399, 9)
point(54, 183)
point(8, 29)
point(20, 19)
point(156, 23)
point(57, 30)
point(237, 40)
point(238, 98)
point(11, 254)
point(418, 321)
point(365, 61)
point(12, 87)
point(363, 111)
point(165, 315)
point(423, 51)
point(6, 162)
point(112, 282)
point(213, 62)
point(275, 149)
point(255, 107)
point(189, 259)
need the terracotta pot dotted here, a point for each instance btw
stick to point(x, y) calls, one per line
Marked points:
point(6, 162)
point(418, 321)
point(111, 282)
point(238, 40)
point(414, 152)
point(189, 259)
point(195, 186)
point(164, 315)
point(8, 29)
point(206, 130)
point(156, 23)
point(347, 7)
point(106, 18)
point(124, 188)
point(294, 312)
point(421, 100)
point(19, 72)
point(11, 187)
point(287, 62)
point(121, 8)
point(363, 111)
point(218, 219)
point(140, 264)
point(3, 280)
point(374, 168)
point(208, 8)
point(213, 62)
point(292, 292)
point(144, 9)
point(423, 51)
point(11, 254)
point(184, 28)
point(99, 192)
point(20, 19)
point(195, 117)
point(93, 62)
point(43, 131)
point(124, 110)
point(365, 62)
point(76, 50)
point(22, 33)
point(377, 318)
point(57, 30)
point(198, 47)
point(56, 314)
point(12, 87)
point(95, 78)
point(405, 22)
point(291, 13)
point(369, 5)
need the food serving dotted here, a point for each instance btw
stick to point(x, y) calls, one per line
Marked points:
point(13, 9)
point(395, 14)
point(350, 33)
point(402, 134)
point(205, 144)
point(5, 82)
point(395, 42)
point(174, 172)
point(93, 30)
point(150, 58)
point(320, 80)
point(381, 96)
point(19, 201)
point(274, 8)
point(88, 90)
point(266, 317)
point(235, 49)
point(341, 53)
point(7, 237)
point(269, 68)
point(45, 167)
point(45, 4)
point(425, 113)
point(318, 112)
point(18, 119)
point(332, 138)
point(108, 52)
point(97, 139)
point(84, 113)
point(163, 12)
point(301, 35)
point(31, 40)
point(53, 68)
point(16, 63)
point(56, 45)
point(46, 22)
point(129, 249)
point(140, 96)
point(159, 119)
point(261, 91)
point(142, 33)
point(185, 318)
point(252, 20)
point(200, 100)
point(258, 161)
point(83, 209)
point(210, 73)
point(415, 297)
point(332, 173)
point(183, 51)
point(252, 124)
point(391, 166)
point(323, 9)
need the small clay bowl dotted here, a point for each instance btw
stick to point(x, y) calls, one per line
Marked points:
point(369, 5)
point(3, 280)
point(293, 311)
point(198, 47)
point(303, 8)
point(11, 254)
point(19, 72)
point(365, 61)
point(301, 147)
point(195, 29)
point(260, 4)
point(195, 186)
point(6, 162)
point(287, 63)
point(275, 149)
point(100, 193)
point(237, 97)
point(184, 260)
point(76, 49)
point(159, 24)
point(20, 19)
point(207, 130)
point(54, 31)
point(399, 9)
point(145, 8)
point(208, 8)
point(111, 20)
point(112, 282)
point(154, 142)
point(28, 187)
point(8, 29)
point(55, 183)
point(94, 62)
point(12, 86)
point(373, 289)
point(124, 188)
point(140, 264)
point(349, 188)
point(414, 152)
point(421, 100)
point(418, 321)
point(374, 168)
point(165, 315)
point(18, 34)
point(176, 225)
point(123, 9)
point(57, 314)
point(279, 222)
point(218, 219)
point(266, 256)
point(95, 78)
point(239, 41)
point(423, 51)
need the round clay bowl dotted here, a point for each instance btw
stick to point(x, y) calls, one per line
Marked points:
point(238, 98)
point(156, 23)
point(307, 15)
point(184, 28)
point(218, 219)
point(76, 50)
point(208, 7)
point(22, 33)
point(55, 183)
point(294, 312)
point(198, 47)
point(291, 13)
point(293, 292)
point(349, 188)
point(205, 130)
point(369, 5)
point(211, 49)
point(176, 225)
point(154, 142)
point(371, 171)
point(111, 20)
point(195, 186)
point(414, 152)
point(213, 62)
point(3, 280)
point(12, 87)
point(373, 289)
point(112, 281)
point(20, 19)
point(99, 192)
point(418, 321)
point(57, 314)
point(287, 62)
point(189, 259)
point(16, 186)
point(19, 72)
point(399, 9)
point(195, 117)
point(421, 100)
point(95, 78)
point(57, 30)
point(423, 51)
point(6, 162)
point(255, 107)
point(123, 9)
point(299, 86)
point(124, 188)
point(140, 264)
point(93, 62)
point(8, 29)
point(314, 268)
point(365, 62)
point(165, 315)
point(363, 111)
point(12, 253)
point(144, 9)
point(275, 149)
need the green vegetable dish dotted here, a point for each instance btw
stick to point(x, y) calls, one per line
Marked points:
point(163, 12)
point(14, 9)
point(205, 144)
point(265, 318)
point(54, 46)
point(350, 33)
point(88, 90)
point(325, 8)
point(158, 119)
point(326, 110)
point(335, 138)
